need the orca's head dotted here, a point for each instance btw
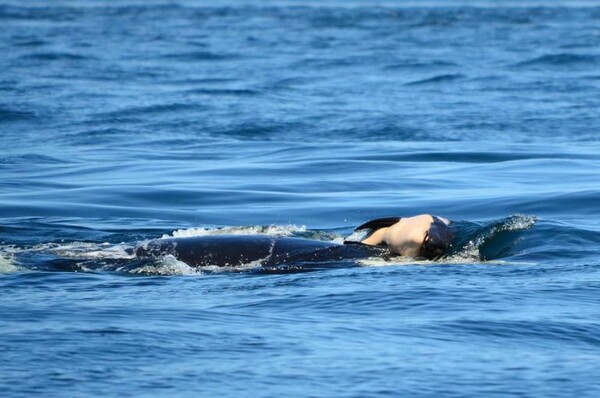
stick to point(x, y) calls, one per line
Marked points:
point(437, 240)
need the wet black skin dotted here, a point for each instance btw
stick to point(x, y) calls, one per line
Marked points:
point(269, 251)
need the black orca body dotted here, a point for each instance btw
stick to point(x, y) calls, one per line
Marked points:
point(263, 250)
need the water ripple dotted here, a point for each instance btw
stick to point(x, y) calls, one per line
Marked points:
point(437, 79)
point(562, 59)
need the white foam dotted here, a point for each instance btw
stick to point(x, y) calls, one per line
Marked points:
point(273, 230)
point(167, 265)
point(468, 254)
point(338, 239)
point(7, 264)
point(380, 262)
point(517, 222)
point(170, 265)
point(94, 251)
point(86, 250)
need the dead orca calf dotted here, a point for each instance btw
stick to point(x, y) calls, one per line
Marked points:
point(423, 236)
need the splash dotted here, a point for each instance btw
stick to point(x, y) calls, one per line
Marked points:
point(7, 264)
point(273, 230)
point(94, 251)
point(170, 265)
point(167, 265)
point(85, 250)
point(517, 222)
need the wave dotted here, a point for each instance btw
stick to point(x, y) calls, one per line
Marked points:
point(236, 92)
point(13, 115)
point(256, 130)
point(461, 156)
point(32, 158)
point(56, 56)
point(32, 43)
point(538, 332)
point(561, 59)
point(26, 12)
point(94, 136)
point(200, 56)
point(413, 64)
point(149, 110)
point(491, 242)
point(437, 79)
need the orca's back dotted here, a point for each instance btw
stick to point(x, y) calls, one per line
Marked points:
point(232, 250)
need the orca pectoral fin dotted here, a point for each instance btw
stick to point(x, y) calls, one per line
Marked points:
point(378, 223)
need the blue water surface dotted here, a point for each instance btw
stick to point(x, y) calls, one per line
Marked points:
point(126, 121)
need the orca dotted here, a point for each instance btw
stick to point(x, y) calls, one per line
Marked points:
point(423, 236)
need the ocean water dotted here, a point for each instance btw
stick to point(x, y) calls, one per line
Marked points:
point(126, 121)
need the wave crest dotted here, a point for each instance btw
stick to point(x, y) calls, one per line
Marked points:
point(473, 250)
